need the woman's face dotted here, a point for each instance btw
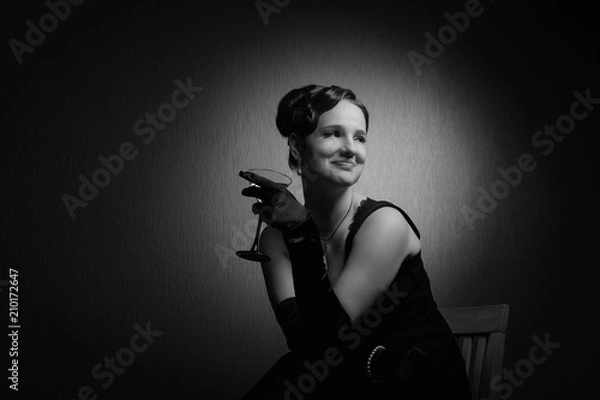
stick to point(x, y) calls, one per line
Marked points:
point(336, 151)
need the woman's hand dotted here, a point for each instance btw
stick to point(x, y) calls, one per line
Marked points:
point(276, 206)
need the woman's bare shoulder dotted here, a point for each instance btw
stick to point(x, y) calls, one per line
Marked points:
point(386, 221)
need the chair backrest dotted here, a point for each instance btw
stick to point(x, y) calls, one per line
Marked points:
point(481, 334)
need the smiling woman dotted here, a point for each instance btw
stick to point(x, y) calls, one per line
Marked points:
point(334, 262)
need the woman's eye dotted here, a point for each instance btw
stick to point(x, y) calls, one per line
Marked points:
point(362, 139)
point(331, 133)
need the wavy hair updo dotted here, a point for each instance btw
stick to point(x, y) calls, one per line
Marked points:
point(299, 111)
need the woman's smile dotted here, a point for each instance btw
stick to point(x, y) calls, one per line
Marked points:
point(343, 164)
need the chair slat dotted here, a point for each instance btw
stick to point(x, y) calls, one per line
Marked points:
point(493, 364)
point(479, 356)
point(480, 333)
point(466, 348)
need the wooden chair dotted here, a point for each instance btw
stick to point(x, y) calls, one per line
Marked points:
point(481, 334)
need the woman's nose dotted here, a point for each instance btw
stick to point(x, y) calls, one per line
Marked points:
point(348, 147)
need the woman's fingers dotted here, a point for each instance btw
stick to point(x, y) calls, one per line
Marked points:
point(269, 193)
point(254, 191)
point(266, 212)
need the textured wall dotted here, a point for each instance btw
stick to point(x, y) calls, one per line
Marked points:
point(156, 244)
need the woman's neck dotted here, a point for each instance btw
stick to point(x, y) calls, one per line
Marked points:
point(327, 206)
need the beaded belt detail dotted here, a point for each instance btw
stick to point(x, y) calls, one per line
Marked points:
point(375, 352)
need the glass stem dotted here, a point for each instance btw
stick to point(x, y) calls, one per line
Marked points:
point(255, 244)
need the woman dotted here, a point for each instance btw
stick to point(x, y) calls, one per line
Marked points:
point(345, 276)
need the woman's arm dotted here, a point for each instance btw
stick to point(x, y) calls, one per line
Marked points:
point(280, 287)
point(383, 241)
point(278, 271)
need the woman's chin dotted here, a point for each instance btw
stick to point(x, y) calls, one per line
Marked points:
point(338, 178)
point(347, 179)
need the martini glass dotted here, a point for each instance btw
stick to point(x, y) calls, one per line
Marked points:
point(280, 178)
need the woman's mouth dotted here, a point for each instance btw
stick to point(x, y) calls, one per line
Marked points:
point(344, 164)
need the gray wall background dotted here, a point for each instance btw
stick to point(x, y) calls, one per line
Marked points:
point(157, 243)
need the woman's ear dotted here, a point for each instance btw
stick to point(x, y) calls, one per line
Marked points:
point(295, 147)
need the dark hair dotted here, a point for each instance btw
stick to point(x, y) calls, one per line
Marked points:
point(299, 110)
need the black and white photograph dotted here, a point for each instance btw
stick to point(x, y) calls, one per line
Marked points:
point(300, 200)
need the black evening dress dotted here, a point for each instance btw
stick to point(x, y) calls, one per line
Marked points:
point(400, 348)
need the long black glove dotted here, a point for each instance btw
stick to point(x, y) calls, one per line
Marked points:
point(319, 310)
point(318, 304)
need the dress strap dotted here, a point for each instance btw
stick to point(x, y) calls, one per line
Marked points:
point(366, 207)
